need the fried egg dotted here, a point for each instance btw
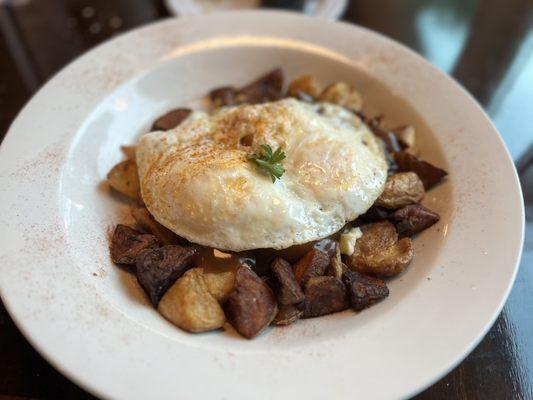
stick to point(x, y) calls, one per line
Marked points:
point(197, 181)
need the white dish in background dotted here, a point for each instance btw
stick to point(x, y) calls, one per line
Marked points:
point(91, 320)
point(331, 9)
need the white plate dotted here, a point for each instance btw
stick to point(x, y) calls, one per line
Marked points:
point(91, 320)
point(331, 9)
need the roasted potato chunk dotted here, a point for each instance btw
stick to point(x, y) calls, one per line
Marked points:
point(189, 305)
point(266, 88)
point(124, 179)
point(364, 291)
point(158, 269)
point(413, 218)
point(342, 94)
point(171, 119)
point(324, 295)
point(223, 96)
point(147, 222)
point(287, 315)
point(400, 190)
point(251, 305)
point(304, 88)
point(428, 173)
point(219, 282)
point(378, 252)
point(287, 289)
point(314, 263)
point(127, 243)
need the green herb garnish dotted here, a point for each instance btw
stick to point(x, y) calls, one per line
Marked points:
point(269, 162)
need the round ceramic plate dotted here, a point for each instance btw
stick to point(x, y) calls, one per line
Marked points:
point(91, 320)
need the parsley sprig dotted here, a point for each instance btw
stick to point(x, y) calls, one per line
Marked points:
point(269, 162)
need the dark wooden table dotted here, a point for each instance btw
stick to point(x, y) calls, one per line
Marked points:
point(486, 45)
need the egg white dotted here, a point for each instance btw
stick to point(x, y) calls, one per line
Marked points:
point(197, 181)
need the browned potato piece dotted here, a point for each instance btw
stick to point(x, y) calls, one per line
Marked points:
point(428, 173)
point(224, 96)
point(219, 282)
point(287, 289)
point(342, 94)
point(189, 305)
point(287, 315)
point(363, 290)
point(171, 119)
point(336, 267)
point(124, 179)
point(400, 190)
point(378, 252)
point(324, 295)
point(129, 152)
point(304, 88)
point(158, 269)
point(266, 88)
point(147, 222)
point(127, 243)
point(314, 263)
point(413, 218)
point(251, 305)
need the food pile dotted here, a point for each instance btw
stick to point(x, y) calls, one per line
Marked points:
point(200, 289)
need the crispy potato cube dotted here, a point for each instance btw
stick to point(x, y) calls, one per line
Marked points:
point(223, 96)
point(413, 218)
point(124, 179)
point(219, 282)
point(171, 119)
point(363, 290)
point(287, 315)
point(428, 173)
point(189, 305)
point(266, 88)
point(400, 190)
point(304, 88)
point(324, 295)
point(127, 243)
point(378, 252)
point(314, 263)
point(158, 269)
point(251, 305)
point(342, 94)
point(287, 289)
